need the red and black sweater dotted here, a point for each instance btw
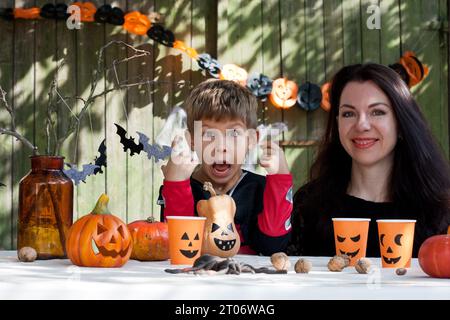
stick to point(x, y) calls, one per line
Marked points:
point(263, 208)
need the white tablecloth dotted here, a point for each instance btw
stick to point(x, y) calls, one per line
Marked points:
point(59, 279)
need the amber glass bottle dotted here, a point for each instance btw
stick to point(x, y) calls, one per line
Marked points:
point(45, 207)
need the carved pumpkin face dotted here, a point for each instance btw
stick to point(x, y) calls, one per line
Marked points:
point(234, 73)
point(87, 11)
point(396, 242)
point(137, 23)
point(284, 93)
point(99, 239)
point(221, 237)
point(351, 237)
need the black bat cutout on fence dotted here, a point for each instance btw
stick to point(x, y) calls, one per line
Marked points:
point(101, 161)
point(2, 185)
point(128, 143)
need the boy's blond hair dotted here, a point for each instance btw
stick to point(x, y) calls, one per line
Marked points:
point(221, 99)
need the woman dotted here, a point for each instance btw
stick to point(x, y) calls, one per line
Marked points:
point(377, 160)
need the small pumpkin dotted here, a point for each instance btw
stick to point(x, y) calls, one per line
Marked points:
point(137, 23)
point(434, 256)
point(220, 236)
point(234, 73)
point(99, 239)
point(150, 240)
point(284, 93)
point(31, 13)
point(87, 11)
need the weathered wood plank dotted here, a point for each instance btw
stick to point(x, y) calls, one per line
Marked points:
point(6, 142)
point(140, 114)
point(116, 105)
point(90, 38)
point(352, 31)
point(370, 38)
point(24, 82)
point(443, 39)
point(390, 35)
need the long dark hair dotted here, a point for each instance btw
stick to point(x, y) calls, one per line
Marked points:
point(420, 178)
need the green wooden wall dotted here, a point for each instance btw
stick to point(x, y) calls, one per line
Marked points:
point(301, 39)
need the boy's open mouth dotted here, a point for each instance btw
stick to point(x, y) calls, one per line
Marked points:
point(221, 169)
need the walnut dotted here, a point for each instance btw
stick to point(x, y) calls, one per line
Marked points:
point(280, 261)
point(363, 265)
point(346, 259)
point(303, 266)
point(336, 264)
point(400, 271)
point(27, 254)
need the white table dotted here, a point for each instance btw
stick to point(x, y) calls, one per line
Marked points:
point(59, 279)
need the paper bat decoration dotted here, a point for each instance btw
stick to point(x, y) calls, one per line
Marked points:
point(128, 143)
point(2, 185)
point(101, 161)
point(154, 150)
point(78, 176)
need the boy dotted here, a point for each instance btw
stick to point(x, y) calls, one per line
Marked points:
point(221, 112)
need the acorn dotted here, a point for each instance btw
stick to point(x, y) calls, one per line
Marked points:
point(27, 254)
point(280, 261)
point(303, 266)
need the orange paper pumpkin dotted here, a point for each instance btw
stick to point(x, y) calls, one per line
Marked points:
point(325, 104)
point(137, 23)
point(32, 13)
point(414, 67)
point(99, 239)
point(87, 11)
point(284, 93)
point(220, 237)
point(234, 73)
point(191, 52)
point(150, 240)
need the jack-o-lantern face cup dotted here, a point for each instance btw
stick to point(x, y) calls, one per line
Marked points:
point(350, 236)
point(185, 238)
point(396, 242)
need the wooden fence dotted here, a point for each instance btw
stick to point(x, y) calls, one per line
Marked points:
point(304, 40)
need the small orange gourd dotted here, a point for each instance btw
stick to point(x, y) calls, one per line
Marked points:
point(220, 236)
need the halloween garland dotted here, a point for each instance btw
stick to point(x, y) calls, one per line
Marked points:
point(282, 92)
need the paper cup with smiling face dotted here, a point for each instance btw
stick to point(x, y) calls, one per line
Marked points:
point(185, 238)
point(396, 242)
point(350, 237)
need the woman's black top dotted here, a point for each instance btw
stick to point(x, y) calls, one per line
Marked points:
point(312, 229)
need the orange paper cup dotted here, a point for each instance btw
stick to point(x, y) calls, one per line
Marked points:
point(350, 237)
point(185, 238)
point(396, 242)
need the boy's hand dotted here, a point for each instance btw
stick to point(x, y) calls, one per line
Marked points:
point(273, 158)
point(182, 162)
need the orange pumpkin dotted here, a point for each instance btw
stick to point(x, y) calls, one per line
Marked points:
point(99, 239)
point(234, 73)
point(32, 13)
point(191, 52)
point(87, 11)
point(150, 240)
point(284, 93)
point(220, 236)
point(325, 104)
point(414, 67)
point(434, 256)
point(137, 23)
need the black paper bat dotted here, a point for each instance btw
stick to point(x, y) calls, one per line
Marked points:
point(78, 176)
point(2, 185)
point(154, 150)
point(101, 161)
point(128, 143)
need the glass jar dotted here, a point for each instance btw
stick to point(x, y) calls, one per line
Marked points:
point(45, 207)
